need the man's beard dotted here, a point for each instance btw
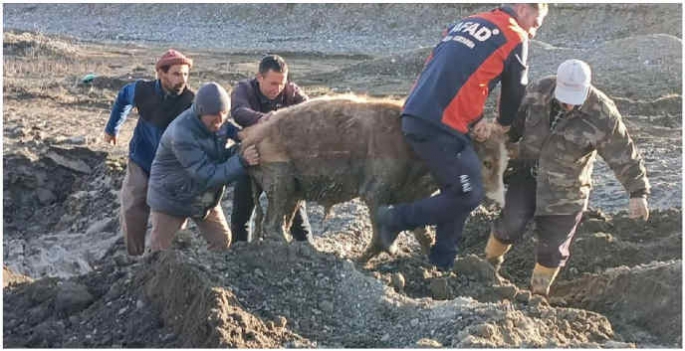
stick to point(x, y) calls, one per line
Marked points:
point(177, 90)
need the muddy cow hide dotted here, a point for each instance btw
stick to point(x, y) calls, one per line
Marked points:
point(333, 149)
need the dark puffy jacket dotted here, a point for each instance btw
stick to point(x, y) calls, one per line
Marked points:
point(191, 168)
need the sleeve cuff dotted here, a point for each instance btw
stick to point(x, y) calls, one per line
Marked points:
point(243, 162)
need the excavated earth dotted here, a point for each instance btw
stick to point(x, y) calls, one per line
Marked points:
point(67, 281)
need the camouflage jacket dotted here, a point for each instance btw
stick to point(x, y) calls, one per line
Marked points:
point(565, 155)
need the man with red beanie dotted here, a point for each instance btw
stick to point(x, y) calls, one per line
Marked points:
point(158, 103)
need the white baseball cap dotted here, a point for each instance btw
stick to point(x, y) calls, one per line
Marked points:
point(573, 82)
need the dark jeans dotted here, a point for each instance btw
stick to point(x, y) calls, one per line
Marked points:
point(554, 233)
point(243, 205)
point(454, 165)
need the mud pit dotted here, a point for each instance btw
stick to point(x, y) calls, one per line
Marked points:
point(69, 283)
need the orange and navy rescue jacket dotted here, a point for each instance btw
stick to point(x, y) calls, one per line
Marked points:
point(474, 55)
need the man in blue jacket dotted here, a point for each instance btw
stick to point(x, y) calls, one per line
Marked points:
point(191, 169)
point(158, 103)
point(253, 100)
point(447, 100)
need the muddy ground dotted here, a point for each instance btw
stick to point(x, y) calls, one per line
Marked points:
point(68, 282)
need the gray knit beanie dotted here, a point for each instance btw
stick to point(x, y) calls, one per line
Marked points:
point(211, 99)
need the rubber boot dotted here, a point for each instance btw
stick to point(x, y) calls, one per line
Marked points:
point(494, 252)
point(542, 279)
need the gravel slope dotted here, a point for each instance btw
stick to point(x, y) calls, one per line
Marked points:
point(331, 28)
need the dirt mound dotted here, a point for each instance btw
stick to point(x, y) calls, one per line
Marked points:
point(203, 314)
point(104, 308)
point(32, 45)
point(602, 243)
point(245, 299)
point(602, 22)
point(71, 197)
point(645, 71)
point(10, 278)
point(61, 186)
point(397, 72)
point(373, 28)
point(646, 67)
point(643, 297)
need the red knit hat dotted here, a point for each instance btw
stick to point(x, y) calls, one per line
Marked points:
point(173, 57)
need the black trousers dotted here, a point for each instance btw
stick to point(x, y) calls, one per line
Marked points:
point(555, 233)
point(243, 206)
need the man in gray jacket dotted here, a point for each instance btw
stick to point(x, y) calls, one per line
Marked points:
point(191, 169)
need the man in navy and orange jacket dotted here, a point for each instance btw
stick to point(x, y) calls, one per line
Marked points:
point(447, 101)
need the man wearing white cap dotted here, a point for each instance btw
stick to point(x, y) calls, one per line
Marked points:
point(562, 124)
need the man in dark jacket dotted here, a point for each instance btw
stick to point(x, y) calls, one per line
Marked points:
point(158, 103)
point(446, 101)
point(192, 167)
point(253, 100)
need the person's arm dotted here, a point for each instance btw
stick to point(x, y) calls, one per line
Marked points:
point(230, 131)
point(121, 109)
point(619, 151)
point(514, 82)
point(200, 168)
point(242, 112)
point(517, 127)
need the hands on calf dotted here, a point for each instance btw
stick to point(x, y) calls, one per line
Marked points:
point(250, 155)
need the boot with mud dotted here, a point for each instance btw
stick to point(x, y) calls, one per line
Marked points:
point(494, 253)
point(542, 279)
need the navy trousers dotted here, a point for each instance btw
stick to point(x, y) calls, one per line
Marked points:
point(454, 165)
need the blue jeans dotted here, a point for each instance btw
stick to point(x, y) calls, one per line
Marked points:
point(454, 165)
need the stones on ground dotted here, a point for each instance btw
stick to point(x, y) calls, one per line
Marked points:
point(72, 297)
point(426, 343)
point(506, 291)
point(121, 259)
point(10, 278)
point(74, 165)
point(537, 300)
point(398, 282)
point(76, 140)
point(611, 344)
point(183, 239)
point(475, 266)
point(280, 322)
point(523, 296)
point(326, 306)
point(440, 289)
point(45, 196)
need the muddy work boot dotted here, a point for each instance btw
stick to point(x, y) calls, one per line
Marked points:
point(387, 234)
point(494, 252)
point(542, 279)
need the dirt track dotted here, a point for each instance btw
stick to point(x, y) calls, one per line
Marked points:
point(621, 288)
